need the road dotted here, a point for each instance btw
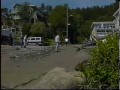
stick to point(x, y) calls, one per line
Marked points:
point(17, 70)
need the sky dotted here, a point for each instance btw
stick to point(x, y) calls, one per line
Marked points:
point(72, 3)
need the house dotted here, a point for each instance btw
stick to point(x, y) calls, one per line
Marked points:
point(101, 29)
point(37, 15)
point(117, 18)
point(7, 30)
point(14, 12)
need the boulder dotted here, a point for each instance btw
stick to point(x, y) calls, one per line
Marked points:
point(59, 78)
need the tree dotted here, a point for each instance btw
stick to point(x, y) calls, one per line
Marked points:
point(58, 18)
point(4, 10)
point(85, 29)
point(26, 29)
point(38, 29)
point(50, 8)
point(9, 22)
point(25, 13)
point(42, 6)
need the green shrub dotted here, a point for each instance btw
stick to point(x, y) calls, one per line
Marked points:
point(49, 42)
point(80, 39)
point(103, 70)
point(17, 40)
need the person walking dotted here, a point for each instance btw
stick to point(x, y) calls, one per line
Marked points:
point(25, 41)
point(57, 41)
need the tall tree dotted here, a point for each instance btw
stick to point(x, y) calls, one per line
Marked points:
point(24, 12)
point(43, 6)
point(39, 29)
point(4, 10)
point(58, 18)
point(26, 29)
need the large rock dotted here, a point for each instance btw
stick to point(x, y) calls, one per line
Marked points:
point(58, 78)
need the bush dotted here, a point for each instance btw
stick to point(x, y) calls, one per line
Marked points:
point(49, 42)
point(103, 70)
point(38, 29)
point(17, 40)
point(80, 39)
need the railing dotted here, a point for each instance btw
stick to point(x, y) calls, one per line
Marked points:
point(96, 39)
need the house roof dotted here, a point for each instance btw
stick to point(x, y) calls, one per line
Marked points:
point(32, 5)
point(117, 12)
point(109, 22)
point(15, 4)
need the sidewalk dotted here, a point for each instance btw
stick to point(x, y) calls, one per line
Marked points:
point(17, 73)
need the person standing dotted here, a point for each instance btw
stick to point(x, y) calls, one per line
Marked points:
point(57, 41)
point(11, 40)
point(25, 41)
point(21, 41)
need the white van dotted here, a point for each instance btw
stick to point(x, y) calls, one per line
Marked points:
point(35, 40)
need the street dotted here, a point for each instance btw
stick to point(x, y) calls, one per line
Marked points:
point(20, 65)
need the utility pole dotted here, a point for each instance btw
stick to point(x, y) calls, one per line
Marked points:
point(67, 22)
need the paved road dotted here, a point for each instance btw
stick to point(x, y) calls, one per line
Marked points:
point(15, 72)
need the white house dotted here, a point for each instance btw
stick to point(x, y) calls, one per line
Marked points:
point(101, 29)
point(117, 18)
point(37, 15)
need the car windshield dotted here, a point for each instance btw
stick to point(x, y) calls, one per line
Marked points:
point(28, 39)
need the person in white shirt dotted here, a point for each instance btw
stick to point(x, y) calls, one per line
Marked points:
point(25, 41)
point(66, 41)
point(57, 41)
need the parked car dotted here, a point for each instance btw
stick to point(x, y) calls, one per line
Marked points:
point(90, 43)
point(35, 40)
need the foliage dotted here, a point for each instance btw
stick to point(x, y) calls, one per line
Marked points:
point(58, 17)
point(85, 29)
point(39, 29)
point(17, 39)
point(4, 11)
point(80, 39)
point(49, 42)
point(24, 12)
point(26, 29)
point(102, 71)
point(9, 22)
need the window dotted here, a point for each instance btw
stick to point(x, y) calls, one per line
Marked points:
point(32, 38)
point(13, 30)
point(101, 33)
point(28, 39)
point(37, 38)
point(100, 30)
point(113, 26)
